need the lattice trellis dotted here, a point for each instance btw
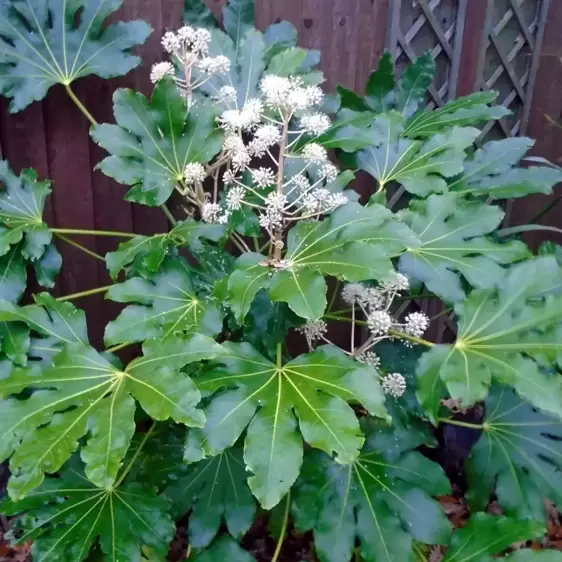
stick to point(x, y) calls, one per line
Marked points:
point(418, 26)
point(510, 59)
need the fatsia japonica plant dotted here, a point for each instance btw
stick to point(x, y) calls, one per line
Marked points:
point(218, 424)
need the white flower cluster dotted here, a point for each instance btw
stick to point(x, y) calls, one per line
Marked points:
point(313, 331)
point(394, 385)
point(188, 48)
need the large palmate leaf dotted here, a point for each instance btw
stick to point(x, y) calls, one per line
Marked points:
point(21, 212)
point(493, 171)
point(518, 457)
point(382, 499)
point(238, 18)
point(47, 42)
point(66, 516)
point(355, 243)
point(486, 536)
point(420, 166)
point(146, 253)
point(510, 334)
point(167, 304)
point(85, 394)
point(214, 490)
point(452, 232)
point(227, 549)
point(282, 404)
point(49, 325)
point(154, 141)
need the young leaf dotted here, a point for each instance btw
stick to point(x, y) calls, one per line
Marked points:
point(84, 394)
point(383, 498)
point(154, 141)
point(518, 457)
point(263, 395)
point(492, 171)
point(66, 516)
point(421, 167)
point(214, 490)
point(487, 535)
point(21, 211)
point(452, 233)
point(47, 42)
point(167, 305)
point(225, 549)
point(509, 334)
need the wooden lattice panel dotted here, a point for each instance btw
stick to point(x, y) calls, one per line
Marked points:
point(419, 26)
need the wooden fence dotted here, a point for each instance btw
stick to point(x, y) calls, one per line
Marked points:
point(513, 46)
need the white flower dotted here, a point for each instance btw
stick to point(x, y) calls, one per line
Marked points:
point(234, 120)
point(310, 204)
point(263, 177)
point(228, 177)
point(338, 199)
point(223, 219)
point(315, 95)
point(315, 153)
point(233, 144)
point(186, 34)
point(276, 201)
point(252, 113)
point(398, 284)
point(313, 330)
point(315, 124)
point(275, 90)
point(227, 94)
point(161, 69)
point(372, 298)
point(379, 322)
point(200, 41)
point(352, 292)
point(289, 94)
point(271, 220)
point(235, 198)
point(322, 200)
point(194, 173)
point(211, 212)
point(240, 160)
point(416, 324)
point(301, 183)
point(370, 358)
point(268, 134)
point(394, 385)
point(330, 171)
point(171, 42)
point(214, 65)
point(297, 99)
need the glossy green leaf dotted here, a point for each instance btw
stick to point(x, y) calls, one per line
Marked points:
point(462, 112)
point(214, 490)
point(518, 457)
point(380, 84)
point(84, 394)
point(492, 171)
point(453, 235)
point(279, 36)
point(486, 535)
point(383, 499)
point(510, 334)
point(224, 549)
point(154, 141)
point(287, 62)
point(13, 275)
point(414, 84)
point(48, 42)
point(21, 211)
point(48, 266)
point(265, 396)
point(421, 167)
point(15, 342)
point(66, 516)
point(166, 304)
point(348, 131)
point(197, 14)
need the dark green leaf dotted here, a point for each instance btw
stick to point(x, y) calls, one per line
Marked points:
point(414, 84)
point(196, 13)
point(452, 232)
point(382, 499)
point(350, 100)
point(535, 556)
point(279, 36)
point(15, 342)
point(13, 276)
point(518, 457)
point(66, 516)
point(154, 141)
point(238, 18)
point(348, 131)
point(48, 266)
point(167, 305)
point(47, 42)
point(265, 397)
point(380, 85)
point(214, 490)
point(487, 535)
point(225, 549)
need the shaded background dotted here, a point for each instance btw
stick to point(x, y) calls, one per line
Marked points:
point(513, 46)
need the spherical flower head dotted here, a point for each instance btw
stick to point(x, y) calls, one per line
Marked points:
point(275, 90)
point(297, 99)
point(271, 220)
point(398, 284)
point(201, 40)
point(310, 204)
point(330, 172)
point(268, 135)
point(235, 198)
point(315, 95)
point(352, 293)
point(263, 177)
point(301, 183)
point(160, 70)
point(394, 385)
point(370, 358)
point(233, 144)
point(276, 201)
point(194, 173)
point(416, 324)
point(214, 65)
point(231, 120)
point(313, 330)
point(229, 177)
point(316, 124)
point(372, 299)
point(227, 94)
point(337, 200)
point(186, 34)
point(315, 153)
point(251, 114)
point(171, 42)
point(240, 160)
point(211, 212)
point(379, 322)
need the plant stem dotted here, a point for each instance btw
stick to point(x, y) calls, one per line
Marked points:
point(80, 247)
point(357, 555)
point(118, 347)
point(241, 241)
point(285, 521)
point(478, 426)
point(280, 177)
point(345, 319)
point(256, 244)
point(79, 104)
point(404, 336)
point(81, 232)
point(279, 355)
point(74, 296)
point(168, 214)
point(135, 456)
point(334, 295)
